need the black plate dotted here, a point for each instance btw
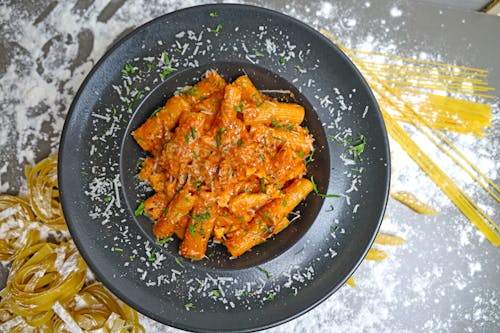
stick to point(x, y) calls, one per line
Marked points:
point(277, 280)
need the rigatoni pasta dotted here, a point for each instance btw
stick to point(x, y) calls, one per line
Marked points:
point(227, 162)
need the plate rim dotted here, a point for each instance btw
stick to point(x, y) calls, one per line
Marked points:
point(86, 255)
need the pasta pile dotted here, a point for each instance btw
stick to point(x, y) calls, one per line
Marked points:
point(48, 288)
point(226, 161)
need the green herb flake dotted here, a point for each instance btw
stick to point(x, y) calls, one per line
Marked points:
point(288, 127)
point(301, 153)
point(191, 134)
point(218, 135)
point(132, 257)
point(259, 104)
point(197, 184)
point(270, 297)
point(258, 53)
point(116, 249)
point(213, 14)
point(266, 215)
point(330, 209)
point(152, 255)
point(155, 112)
point(334, 228)
point(201, 217)
point(149, 66)
point(166, 73)
point(178, 262)
point(165, 58)
point(217, 28)
point(263, 185)
point(163, 241)
point(298, 68)
point(238, 108)
point(192, 228)
point(282, 60)
point(266, 273)
point(189, 306)
point(240, 143)
point(140, 209)
point(191, 92)
point(216, 293)
point(128, 70)
point(84, 173)
point(315, 187)
point(107, 199)
point(310, 158)
point(284, 203)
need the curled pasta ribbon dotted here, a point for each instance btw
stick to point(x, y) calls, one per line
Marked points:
point(44, 192)
point(41, 275)
point(95, 309)
point(15, 214)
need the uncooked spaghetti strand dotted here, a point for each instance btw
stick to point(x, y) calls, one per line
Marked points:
point(427, 62)
point(409, 108)
point(391, 70)
point(461, 200)
point(439, 135)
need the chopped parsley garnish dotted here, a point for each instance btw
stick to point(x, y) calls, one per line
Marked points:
point(165, 58)
point(334, 228)
point(192, 228)
point(240, 143)
point(128, 69)
point(266, 273)
point(213, 14)
point(259, 104)
point(197, 184)
point(356, 144)
point(258, 53)
point(284, 203)
point(309, 159)
point(301, 153)
point(107, 199)
point(322, 195)
point(282, 60)
point(132, 257)
point(201, 217)
point(270, 297)
point(191, 134)
point(238, 108)
point(246, 293)
point(263, 184)
point(191, 92)
point(140, 209)
point(163, 241)
point(288, 127)
point(189, 306)
point(330, 209)
point(137, 95)
point(178, 262)
point(117, 249)
point(152, 255)
point(149, 66)
point(266, 215)
point(155, 112)
point(166, 72)
point(129, 107)
point(297, 67)
point(216, 293)
point(217, 136)
point(217, 28)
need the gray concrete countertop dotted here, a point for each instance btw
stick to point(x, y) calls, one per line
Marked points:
point(446, 278)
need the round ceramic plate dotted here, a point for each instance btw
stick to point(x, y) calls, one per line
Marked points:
point(279, 279)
